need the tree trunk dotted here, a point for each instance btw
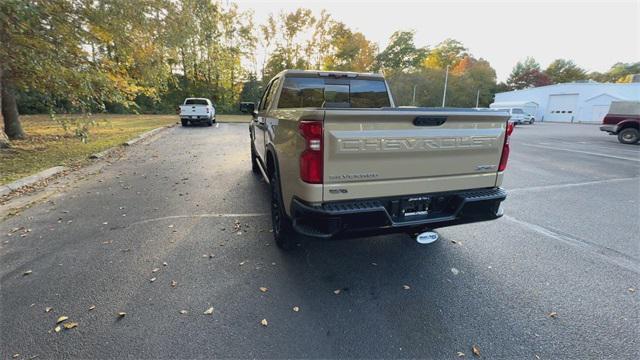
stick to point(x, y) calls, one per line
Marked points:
point(12, 126)
point(4, 140)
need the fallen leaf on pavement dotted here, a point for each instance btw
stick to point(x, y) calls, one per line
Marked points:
point(170, 226)
point(164, 264)
point(209, 311)
point(174, 283)
point(152, 279)
point(57, 328)
point(476, 350)
point(16, 355)
point(296, 309)
point(553, 314)
point(61, 319)
point(47, 309)
point(70, 325)
point(244, 262)
point(455, 271)
point(631, 290)
point(183, 312)
point(155, 270)
point(264, 322)
point(122, 314)
point(336, 291)
point(28, 272)
point(92, 307)
point(460, 354)
point(406, 287)
point(264, 289)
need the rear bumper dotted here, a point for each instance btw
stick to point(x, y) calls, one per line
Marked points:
point(611, 129)
point(385, 215)
point(197, 118)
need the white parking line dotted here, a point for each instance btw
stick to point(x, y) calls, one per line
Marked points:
point(562, 186)
point(597, 146)
point(584, 152)
point(608, 255)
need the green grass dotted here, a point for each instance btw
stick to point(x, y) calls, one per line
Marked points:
point(233, 118)
point(48, 145)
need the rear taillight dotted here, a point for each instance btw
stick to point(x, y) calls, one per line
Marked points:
point(505, 148)
point(311, 162)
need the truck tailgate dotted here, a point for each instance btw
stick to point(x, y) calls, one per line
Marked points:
point(193, 110)
point(384, 152)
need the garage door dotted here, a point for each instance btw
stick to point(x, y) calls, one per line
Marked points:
point(598, 112)
point(562, 107)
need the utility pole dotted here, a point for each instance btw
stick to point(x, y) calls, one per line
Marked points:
point(413, 102)
point(478, 98)
point(446, 79)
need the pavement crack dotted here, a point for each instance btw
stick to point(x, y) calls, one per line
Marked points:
point(196, 216)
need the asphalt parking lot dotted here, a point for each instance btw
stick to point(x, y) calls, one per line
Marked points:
point(557, 277)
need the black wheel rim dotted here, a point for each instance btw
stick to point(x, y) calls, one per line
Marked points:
point(629, 136)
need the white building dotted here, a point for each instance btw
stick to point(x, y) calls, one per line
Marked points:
point(569, 102)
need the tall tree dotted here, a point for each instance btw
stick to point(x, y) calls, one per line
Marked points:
point(619, 72)
point(564, 71)
point(447, 53)
point(349, 51)
point(527, 74)
point(289, 51)
point(401, 54)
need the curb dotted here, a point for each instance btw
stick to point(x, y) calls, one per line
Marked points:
point(102, 154)
point(42, 175)
point(143, 136)
point(30, 180)
point(140, 137)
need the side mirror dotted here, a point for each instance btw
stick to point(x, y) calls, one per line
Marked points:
point(247, 107)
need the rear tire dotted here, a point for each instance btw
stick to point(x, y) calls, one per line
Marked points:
point(185, 123)
point(283, 232)
point(629, 136)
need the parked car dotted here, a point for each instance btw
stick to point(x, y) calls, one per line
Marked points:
point(197, 110)
point(529, 119)
point(518, 116)
point(623, 120)
point(342, 161)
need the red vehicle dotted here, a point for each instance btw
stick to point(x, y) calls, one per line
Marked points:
point(623, 120)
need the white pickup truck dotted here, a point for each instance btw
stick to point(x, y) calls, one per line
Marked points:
point(197, 110)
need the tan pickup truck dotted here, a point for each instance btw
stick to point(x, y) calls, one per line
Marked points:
point(342, 161)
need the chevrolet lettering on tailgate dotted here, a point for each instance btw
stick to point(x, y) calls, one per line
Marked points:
point(415, 144)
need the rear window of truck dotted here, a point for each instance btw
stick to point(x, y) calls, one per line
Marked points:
point(196, 102)
point(337, 93)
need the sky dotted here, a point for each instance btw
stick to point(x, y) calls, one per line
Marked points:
point(594, 34)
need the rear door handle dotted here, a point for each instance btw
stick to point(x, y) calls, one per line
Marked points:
point(429, 120)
